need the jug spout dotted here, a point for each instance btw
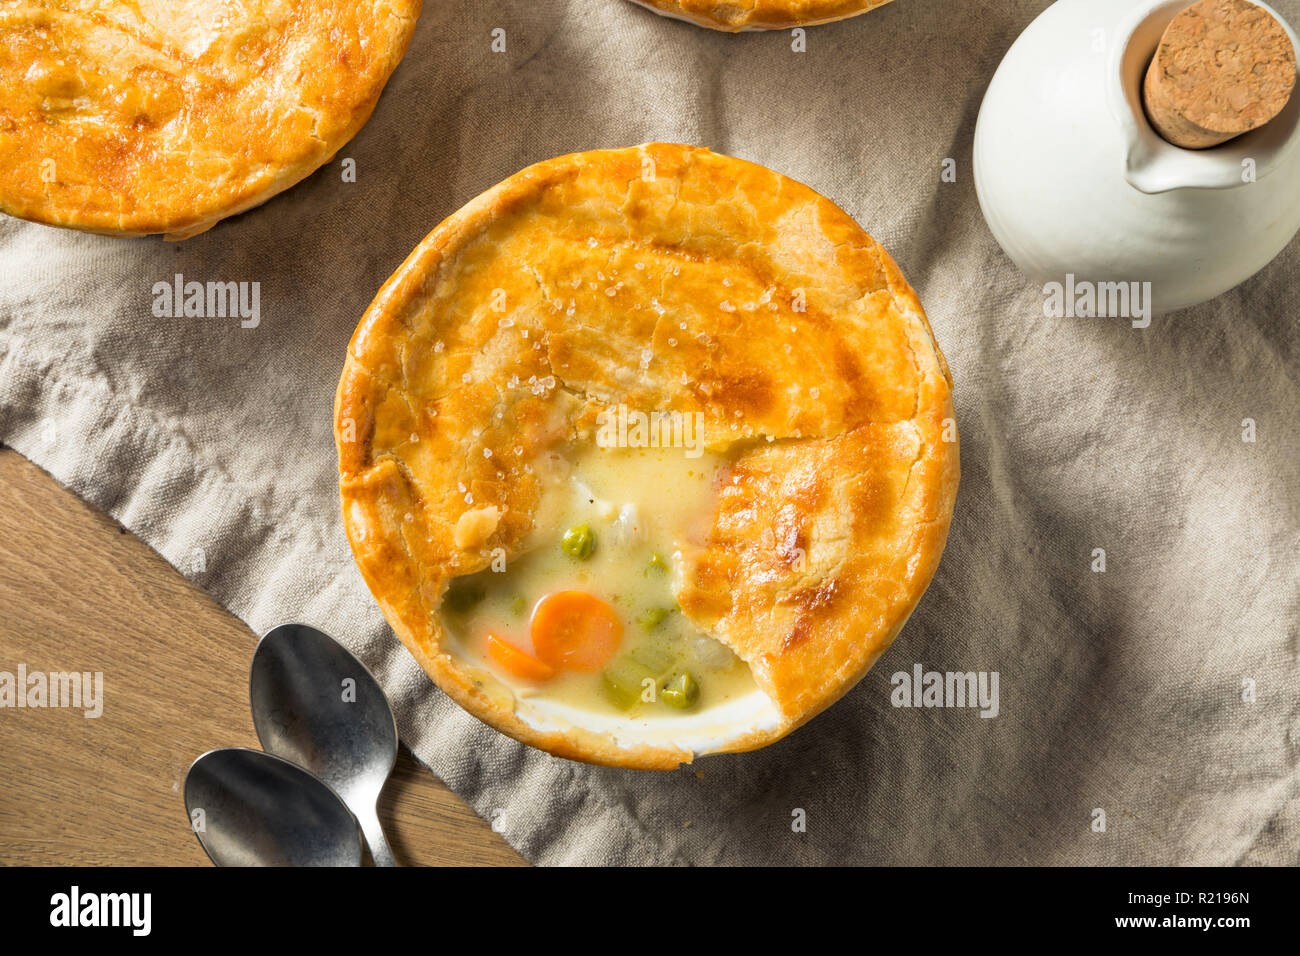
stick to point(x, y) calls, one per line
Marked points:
point(1150, 169)
point(1154, 165)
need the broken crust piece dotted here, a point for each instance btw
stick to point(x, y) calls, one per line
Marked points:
point(476, 526)
point(733, 16)
point(132, 119)
point(661, 277)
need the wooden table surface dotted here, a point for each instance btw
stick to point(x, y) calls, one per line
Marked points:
point(77, 592)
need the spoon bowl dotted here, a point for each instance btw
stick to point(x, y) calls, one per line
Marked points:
point(317, 706)
point(249, 808)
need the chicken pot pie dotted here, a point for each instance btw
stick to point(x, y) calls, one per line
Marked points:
point(646, 453)
point(734, 16)
point(155, 117)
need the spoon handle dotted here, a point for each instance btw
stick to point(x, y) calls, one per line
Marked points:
point(368, 817)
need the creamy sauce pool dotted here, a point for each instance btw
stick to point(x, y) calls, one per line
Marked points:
point(610, 523)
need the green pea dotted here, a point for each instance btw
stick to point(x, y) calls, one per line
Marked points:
point(652, 618)
point(682, 692)
point(657, 563)
point(579, 542)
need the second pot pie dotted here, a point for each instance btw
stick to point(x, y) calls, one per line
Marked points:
point(646, 453)
point(139, 118)
point(733, 16)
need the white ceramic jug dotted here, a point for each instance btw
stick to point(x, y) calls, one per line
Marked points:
point(1078, 188)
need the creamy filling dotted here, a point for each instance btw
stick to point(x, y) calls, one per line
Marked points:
point(611, 524)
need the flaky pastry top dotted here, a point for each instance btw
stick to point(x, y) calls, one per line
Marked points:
point(665, 278)
point(164, 117)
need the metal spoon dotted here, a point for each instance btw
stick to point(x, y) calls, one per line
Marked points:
point(259, 810)
point(317, 705)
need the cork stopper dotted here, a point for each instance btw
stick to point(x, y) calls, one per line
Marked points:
point(1223, 68)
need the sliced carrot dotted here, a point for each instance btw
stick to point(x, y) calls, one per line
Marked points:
point(575, 630)
point(514, 661)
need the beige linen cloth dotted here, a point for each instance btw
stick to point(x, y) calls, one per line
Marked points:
point(1164, 691)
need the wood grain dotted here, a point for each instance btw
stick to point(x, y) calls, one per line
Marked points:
point(79, 593)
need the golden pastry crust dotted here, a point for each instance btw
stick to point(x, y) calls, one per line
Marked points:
point(139, 118)
point(666, 278)
point(732, 16)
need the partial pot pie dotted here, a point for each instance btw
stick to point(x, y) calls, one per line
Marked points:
point(155, 117)
point(734, 16)
point(646, 453)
